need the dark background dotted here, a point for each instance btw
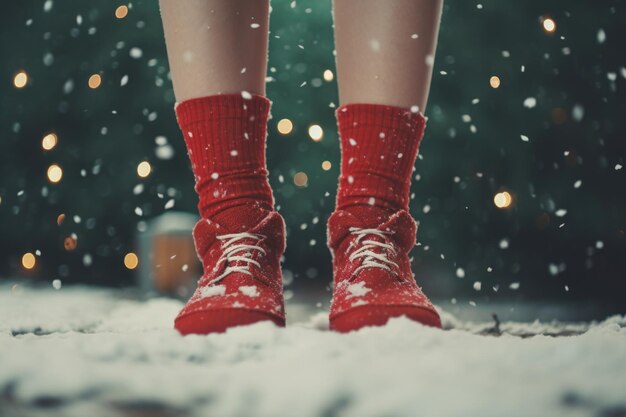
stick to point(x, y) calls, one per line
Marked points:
point(576, 133)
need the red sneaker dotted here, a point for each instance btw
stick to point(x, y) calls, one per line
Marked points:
point(373, 281)
point(242, 281)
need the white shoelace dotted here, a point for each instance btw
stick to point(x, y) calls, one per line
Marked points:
point(235, 250)
point(372, 259)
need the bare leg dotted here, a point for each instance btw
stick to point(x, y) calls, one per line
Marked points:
point(385, 50)
point(217, 49)
point(384, 66)
point(216, 46)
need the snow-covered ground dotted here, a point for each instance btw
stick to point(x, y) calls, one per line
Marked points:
point(94, 352)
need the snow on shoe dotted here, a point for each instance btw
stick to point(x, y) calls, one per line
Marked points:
point(372, 273)
point(242, 280)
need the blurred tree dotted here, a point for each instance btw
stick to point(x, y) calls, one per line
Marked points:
point(527, 99)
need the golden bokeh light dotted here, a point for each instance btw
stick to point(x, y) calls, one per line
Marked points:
point(144, 169)
point(131, 260)
point(49, 141)
point(494, 81)
point(94, 81)
point(70, 243)
point(301, 179)
point(55, 173)
point(20, 80)
point(121, 12)
point(316, 133)
point(326, 165)
point(60, 219)
point(549, 25)
point(284, 126)
point(503, 199)
point(328, 75)
point(28, 260)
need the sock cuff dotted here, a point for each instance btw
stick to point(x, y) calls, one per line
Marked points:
point(385, 117)
point(379, 145)
point(222, 106)
point(225, 137)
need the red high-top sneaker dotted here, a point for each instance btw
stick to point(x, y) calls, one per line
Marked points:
point(373, 281)
point(242, 281)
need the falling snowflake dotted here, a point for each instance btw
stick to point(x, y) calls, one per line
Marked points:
point(530, 102)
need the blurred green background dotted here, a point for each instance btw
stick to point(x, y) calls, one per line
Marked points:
point(552, 135)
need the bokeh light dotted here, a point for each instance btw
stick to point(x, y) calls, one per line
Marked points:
point(70, 243)
point(494, 81)
point(49, 141)
point(28, 260)
point(144, 169)
point(20, 79)
point(503, 199)
point(131, 260)
point(121, 12)
point(328, 75)
point(301, 179)
point(55, 173)
point(549, 25)
point(326, 165)
point(284, 126)
point(316, 132)
point(94, 81)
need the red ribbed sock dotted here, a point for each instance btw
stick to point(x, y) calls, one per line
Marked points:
point(225, 137)
point(379, 145)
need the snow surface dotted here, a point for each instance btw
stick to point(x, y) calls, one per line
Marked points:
point(81, 351)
